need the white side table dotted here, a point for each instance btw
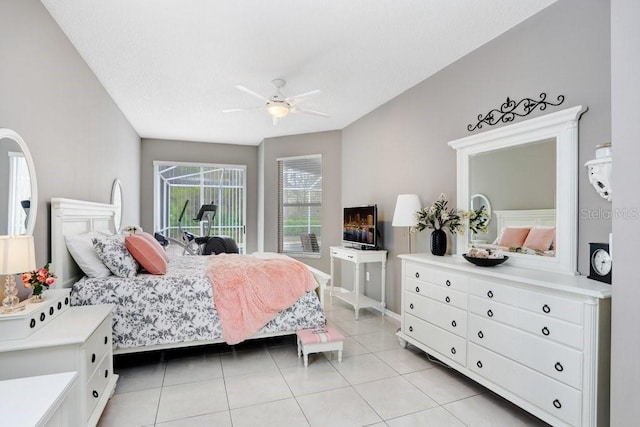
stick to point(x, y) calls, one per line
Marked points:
point(358, 257)
point(45, 400)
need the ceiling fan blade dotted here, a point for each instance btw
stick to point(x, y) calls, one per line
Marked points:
point(235, 110)
point(252, 93)
point(307, 111)
point(297, 98)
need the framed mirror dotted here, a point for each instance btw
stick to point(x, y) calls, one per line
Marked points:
point(529, 170)
point(116, 200)
point(18, 185)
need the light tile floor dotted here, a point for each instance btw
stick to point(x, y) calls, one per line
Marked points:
point(264, 383)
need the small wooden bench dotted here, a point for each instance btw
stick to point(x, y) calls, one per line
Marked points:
point(317, 340)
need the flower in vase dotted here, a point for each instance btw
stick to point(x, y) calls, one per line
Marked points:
point(39, 280)
point(438, 215)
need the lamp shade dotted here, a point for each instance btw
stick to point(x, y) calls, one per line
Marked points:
point(17, 254)
point(405, 213)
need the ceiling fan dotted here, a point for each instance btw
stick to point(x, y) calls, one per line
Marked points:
point(278, 105)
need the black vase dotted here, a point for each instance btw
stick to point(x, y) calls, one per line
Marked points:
point(438, 242)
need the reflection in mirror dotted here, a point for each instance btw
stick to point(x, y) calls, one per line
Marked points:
point(477, 202)
point(515, 178)
point(529, 171)
point(18, 189)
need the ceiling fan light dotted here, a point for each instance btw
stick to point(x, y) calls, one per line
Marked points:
point(278, 109)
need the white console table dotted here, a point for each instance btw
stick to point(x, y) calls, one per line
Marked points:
point(357, 257)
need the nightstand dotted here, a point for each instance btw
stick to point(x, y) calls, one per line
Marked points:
point(78, 339)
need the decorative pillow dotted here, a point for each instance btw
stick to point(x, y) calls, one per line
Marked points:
point(80, 247)
point(155, 244)
point(514, 237)
point(540, 239)
point(146, 254)
point(115, 256)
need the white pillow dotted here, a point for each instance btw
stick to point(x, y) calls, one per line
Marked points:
point(80, 247)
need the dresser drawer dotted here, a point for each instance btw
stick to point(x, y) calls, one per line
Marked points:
point(556, 330)
point(558, 362)
point(98, 345)
point(449, 318)
point(449, 297)
point(96, 386)
point(447, 344)
point(418, 287)
point(493, 291)
point(557, 399)
point(551, 306)
point(493, 310)
point(442, 278)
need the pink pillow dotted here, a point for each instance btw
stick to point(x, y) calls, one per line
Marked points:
point(155, 244)
point(146, 254)
point(514, 237)
point(540, 239)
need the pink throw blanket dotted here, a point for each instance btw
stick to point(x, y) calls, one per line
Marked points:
point(249, 292)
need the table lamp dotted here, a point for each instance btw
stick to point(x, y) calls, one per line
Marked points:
point(17, 255)
point(407, 205)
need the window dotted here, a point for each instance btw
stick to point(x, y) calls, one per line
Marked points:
point(221, 185)
point(300, 205)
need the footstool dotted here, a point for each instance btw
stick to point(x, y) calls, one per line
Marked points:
point(317, 340)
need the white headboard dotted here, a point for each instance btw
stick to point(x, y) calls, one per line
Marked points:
point(524, 218)
point(69, 217)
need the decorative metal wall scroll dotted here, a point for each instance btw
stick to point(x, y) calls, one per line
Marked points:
point(510, 109)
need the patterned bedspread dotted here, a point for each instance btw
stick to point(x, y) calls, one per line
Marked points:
point(177, 307)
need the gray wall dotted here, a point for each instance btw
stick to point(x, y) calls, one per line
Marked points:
point(78, 138)
point(625, 87)
point(401, 147)
point(200, 152)
point(328, 145)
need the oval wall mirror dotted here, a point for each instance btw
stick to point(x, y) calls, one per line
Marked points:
point(18, 185)
point(116, 200)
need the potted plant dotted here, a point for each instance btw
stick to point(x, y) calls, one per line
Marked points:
point(38, 280)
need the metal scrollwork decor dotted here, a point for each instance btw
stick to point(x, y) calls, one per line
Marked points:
point(510, 109)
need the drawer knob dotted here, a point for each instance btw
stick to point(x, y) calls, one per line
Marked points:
point(557, 404)
point(559, 367)
point(545, 331)
point(59, 305)
point(106, 373)
point(447, 299)
point(93, 358)
point(32, 324)
point(410, 328)
point(453, 350)
point(42, 317)
point(417, 289)
point(51, 310)
point(417, 275)
point(411, 306)
point(480, 334)
point(489, 313)
point(479, 364)
point(95, 394)
point(490, 294)
point(453, 323)
point(106, 340)
point(448, 282)
point(66, 301)
point(546, 309)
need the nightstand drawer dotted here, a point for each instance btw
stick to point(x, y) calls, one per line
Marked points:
point(97, 383)
point(98, 345)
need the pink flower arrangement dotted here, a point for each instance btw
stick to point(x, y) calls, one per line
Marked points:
point(39, 279)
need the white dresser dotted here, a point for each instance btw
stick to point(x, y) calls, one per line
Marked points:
point(79, 339)
point(539, 339)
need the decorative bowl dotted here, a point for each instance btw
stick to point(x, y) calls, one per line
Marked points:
point(485, 262)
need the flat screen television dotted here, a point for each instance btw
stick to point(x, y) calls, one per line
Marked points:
point(360, 227)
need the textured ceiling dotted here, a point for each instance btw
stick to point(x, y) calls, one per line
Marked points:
point(171, 65)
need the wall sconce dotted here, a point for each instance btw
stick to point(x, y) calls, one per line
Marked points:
point(599, 170)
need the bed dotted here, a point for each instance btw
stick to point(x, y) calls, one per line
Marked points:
point(154, 312)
